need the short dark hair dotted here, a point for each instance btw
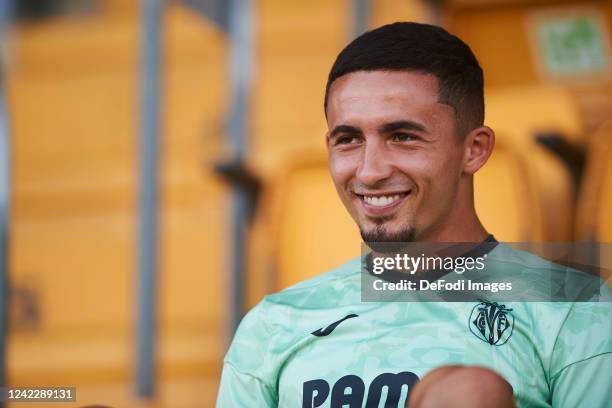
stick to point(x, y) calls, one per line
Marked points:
point(407, 46)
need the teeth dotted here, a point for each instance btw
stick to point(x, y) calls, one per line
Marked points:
point(381, 201)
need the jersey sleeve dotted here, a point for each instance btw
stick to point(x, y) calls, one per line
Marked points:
point(582, 354)
point(248, 374)
point(243, 390)
point(584, 384)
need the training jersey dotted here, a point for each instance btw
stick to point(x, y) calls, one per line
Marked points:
point(316, 344)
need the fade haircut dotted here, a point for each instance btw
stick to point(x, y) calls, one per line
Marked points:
point(415, 47)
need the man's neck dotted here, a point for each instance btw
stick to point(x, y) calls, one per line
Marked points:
point(468, 230)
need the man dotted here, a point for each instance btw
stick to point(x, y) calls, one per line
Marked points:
point(405, 110)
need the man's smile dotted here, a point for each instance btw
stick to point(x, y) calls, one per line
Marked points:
point(381, 203)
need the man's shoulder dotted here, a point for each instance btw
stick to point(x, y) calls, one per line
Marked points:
point(539, 279)
point(507, 252)
point(320, 289)
point(280, 319)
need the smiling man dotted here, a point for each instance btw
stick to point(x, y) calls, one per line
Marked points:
point(405, 109)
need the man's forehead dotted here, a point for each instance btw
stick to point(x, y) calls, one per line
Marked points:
point(383, 82)
point(389, 95)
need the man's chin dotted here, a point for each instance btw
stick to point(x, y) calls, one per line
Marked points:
point(379, 239)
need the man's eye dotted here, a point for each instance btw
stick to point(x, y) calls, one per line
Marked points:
point(402, 137)
point(346, 140)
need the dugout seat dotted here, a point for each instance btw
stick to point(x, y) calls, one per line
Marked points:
point(523, 111)
point(506, 199)
point(518, 115)
point(594, 215)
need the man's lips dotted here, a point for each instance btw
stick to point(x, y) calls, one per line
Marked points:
point(377, 204)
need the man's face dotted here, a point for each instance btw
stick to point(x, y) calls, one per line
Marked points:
point(394, 155)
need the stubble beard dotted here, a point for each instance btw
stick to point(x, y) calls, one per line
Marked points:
point(382, 241)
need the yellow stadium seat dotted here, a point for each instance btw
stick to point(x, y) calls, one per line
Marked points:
point(313, 232)
point(517, 115)
point(555, 190)
point(594, 216)
point(523, 111)
point(505, 197)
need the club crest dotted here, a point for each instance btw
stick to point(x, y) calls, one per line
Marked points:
point(491, 323)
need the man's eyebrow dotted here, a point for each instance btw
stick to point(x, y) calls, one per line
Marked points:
point(401, 125)
point(344, 129)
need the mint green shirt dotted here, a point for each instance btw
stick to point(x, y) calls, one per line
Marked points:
point(316, 344)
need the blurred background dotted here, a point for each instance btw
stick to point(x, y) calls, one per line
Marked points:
point(163, 166)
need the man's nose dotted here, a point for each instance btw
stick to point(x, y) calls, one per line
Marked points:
point(374, 165)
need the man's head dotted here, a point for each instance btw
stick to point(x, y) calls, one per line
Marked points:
point(404, 106)
point(420, 48)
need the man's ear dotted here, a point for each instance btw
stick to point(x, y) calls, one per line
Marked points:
point(479, 145)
